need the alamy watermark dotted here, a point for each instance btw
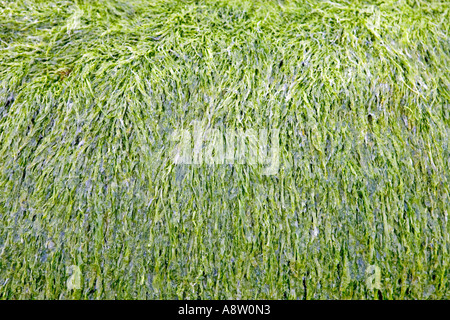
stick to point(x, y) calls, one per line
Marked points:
point(215, 146)
point(74, 280)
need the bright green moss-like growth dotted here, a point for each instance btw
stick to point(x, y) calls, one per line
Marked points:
point(93, 207)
